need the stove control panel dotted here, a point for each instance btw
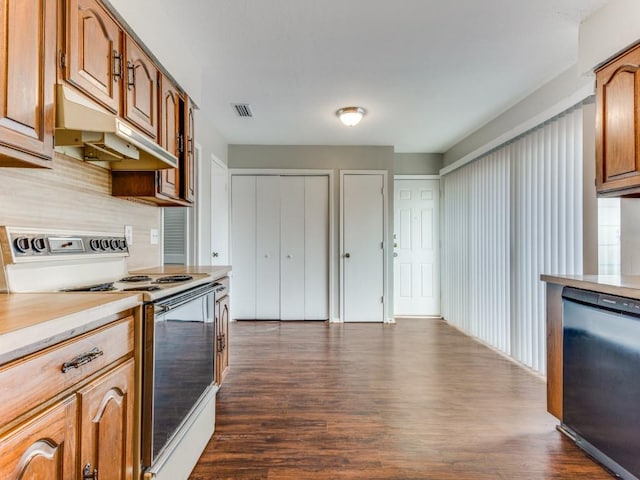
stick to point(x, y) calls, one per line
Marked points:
point(34, 245)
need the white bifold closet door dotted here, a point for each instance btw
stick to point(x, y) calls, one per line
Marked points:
point(280, 247)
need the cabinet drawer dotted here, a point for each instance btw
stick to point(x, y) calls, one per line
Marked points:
point(38, 377)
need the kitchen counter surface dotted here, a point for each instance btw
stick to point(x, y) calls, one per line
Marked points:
point(32, 321)
point(216, 271)
point(622, 285)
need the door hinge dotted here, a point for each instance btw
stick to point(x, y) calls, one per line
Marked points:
point(381, 299)
point(382, 190)
point(63, 60)
point(382, 245)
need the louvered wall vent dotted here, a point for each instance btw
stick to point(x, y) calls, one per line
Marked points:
point(243, 109)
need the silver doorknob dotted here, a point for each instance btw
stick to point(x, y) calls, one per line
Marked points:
point(347, 255)
point(214, 254)
point(395, 254)
point(289, 256)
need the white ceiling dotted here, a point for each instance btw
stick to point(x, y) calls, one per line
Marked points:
point(429, 72)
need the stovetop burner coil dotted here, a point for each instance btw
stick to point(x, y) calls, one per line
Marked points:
point(136, 278)
point(173, 279)
point(99, 287)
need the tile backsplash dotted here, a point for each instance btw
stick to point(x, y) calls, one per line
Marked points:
point(75, 195)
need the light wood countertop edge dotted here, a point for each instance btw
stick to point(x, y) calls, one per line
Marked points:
point(624, 286)
point(20, 342)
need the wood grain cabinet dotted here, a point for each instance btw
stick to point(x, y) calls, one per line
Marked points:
point(71, 409)
point(27, 77)
point(174, 186)
point(93, 60)
point(141, 98)
point(222, 338)
point(618, 126)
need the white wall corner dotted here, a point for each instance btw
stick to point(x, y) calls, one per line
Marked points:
point(607, 32)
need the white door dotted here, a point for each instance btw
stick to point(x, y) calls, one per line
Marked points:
point(416, 252)
point(292, 246)
point(268, 247)
point(362, 252)
point(219, 215)
point(243, 241)
point(316, 249)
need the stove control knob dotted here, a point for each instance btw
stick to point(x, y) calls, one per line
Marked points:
point(114, 244)
point(22, 244)
point(94, 244)
point(39, 244)
point(123, 244)
point(104, 244)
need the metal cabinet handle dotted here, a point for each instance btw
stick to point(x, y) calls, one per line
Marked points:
point(87, 474)
point(131, 76)
point(82, 359)
point(117, 65)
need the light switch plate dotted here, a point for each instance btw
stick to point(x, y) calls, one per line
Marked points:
point(154, 236)
point(128, 234)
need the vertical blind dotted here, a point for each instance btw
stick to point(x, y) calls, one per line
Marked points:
point(508, 217)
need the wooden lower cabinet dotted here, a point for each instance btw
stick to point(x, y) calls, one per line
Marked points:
point(42, 448)
point(106, 424)
point(222, 338)
point(77, 417)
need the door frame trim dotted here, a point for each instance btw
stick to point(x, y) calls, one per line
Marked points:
point(297, 172)
point(417, 177)
point(387, 317)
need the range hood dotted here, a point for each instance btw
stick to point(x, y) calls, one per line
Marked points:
point(87, 132)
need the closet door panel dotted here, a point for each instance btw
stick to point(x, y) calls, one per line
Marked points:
point(316, 249)
point(268, 247)
point(243, 246)
point(292, 248)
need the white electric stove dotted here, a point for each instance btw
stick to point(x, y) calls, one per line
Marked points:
point(40, 260)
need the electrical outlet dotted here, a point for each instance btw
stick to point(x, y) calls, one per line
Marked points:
point(128, 234)
point(154, 236)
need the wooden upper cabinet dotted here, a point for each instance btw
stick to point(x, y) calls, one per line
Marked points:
point(93, 60)
point(170, 104)
point(618, 125)
point(189, 167)
point(141, 92)
point(27, 78)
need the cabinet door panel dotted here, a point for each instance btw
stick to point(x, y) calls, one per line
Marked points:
point(106, 425)
point(141, 99)
point(618, 125)
point(169, 131)
point(189, 168)
point(243, 245)
point(42, 448)
point(268, 247)
point(292, 235)
point(27, 76)
point(93, 41)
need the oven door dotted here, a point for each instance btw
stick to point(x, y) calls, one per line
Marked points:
point(178, 363)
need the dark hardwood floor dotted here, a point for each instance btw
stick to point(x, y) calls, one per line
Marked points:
point(415, 400)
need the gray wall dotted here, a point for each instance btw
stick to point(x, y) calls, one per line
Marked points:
point(418, 163)
point(334, 158)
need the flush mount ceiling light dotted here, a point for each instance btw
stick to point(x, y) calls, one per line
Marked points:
point(351, 116)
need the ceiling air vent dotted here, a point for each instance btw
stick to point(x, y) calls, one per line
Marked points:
point(243, 109)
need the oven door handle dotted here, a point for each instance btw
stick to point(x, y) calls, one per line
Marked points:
point(161, 307)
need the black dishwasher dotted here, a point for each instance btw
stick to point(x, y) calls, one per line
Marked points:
point(601, 377)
